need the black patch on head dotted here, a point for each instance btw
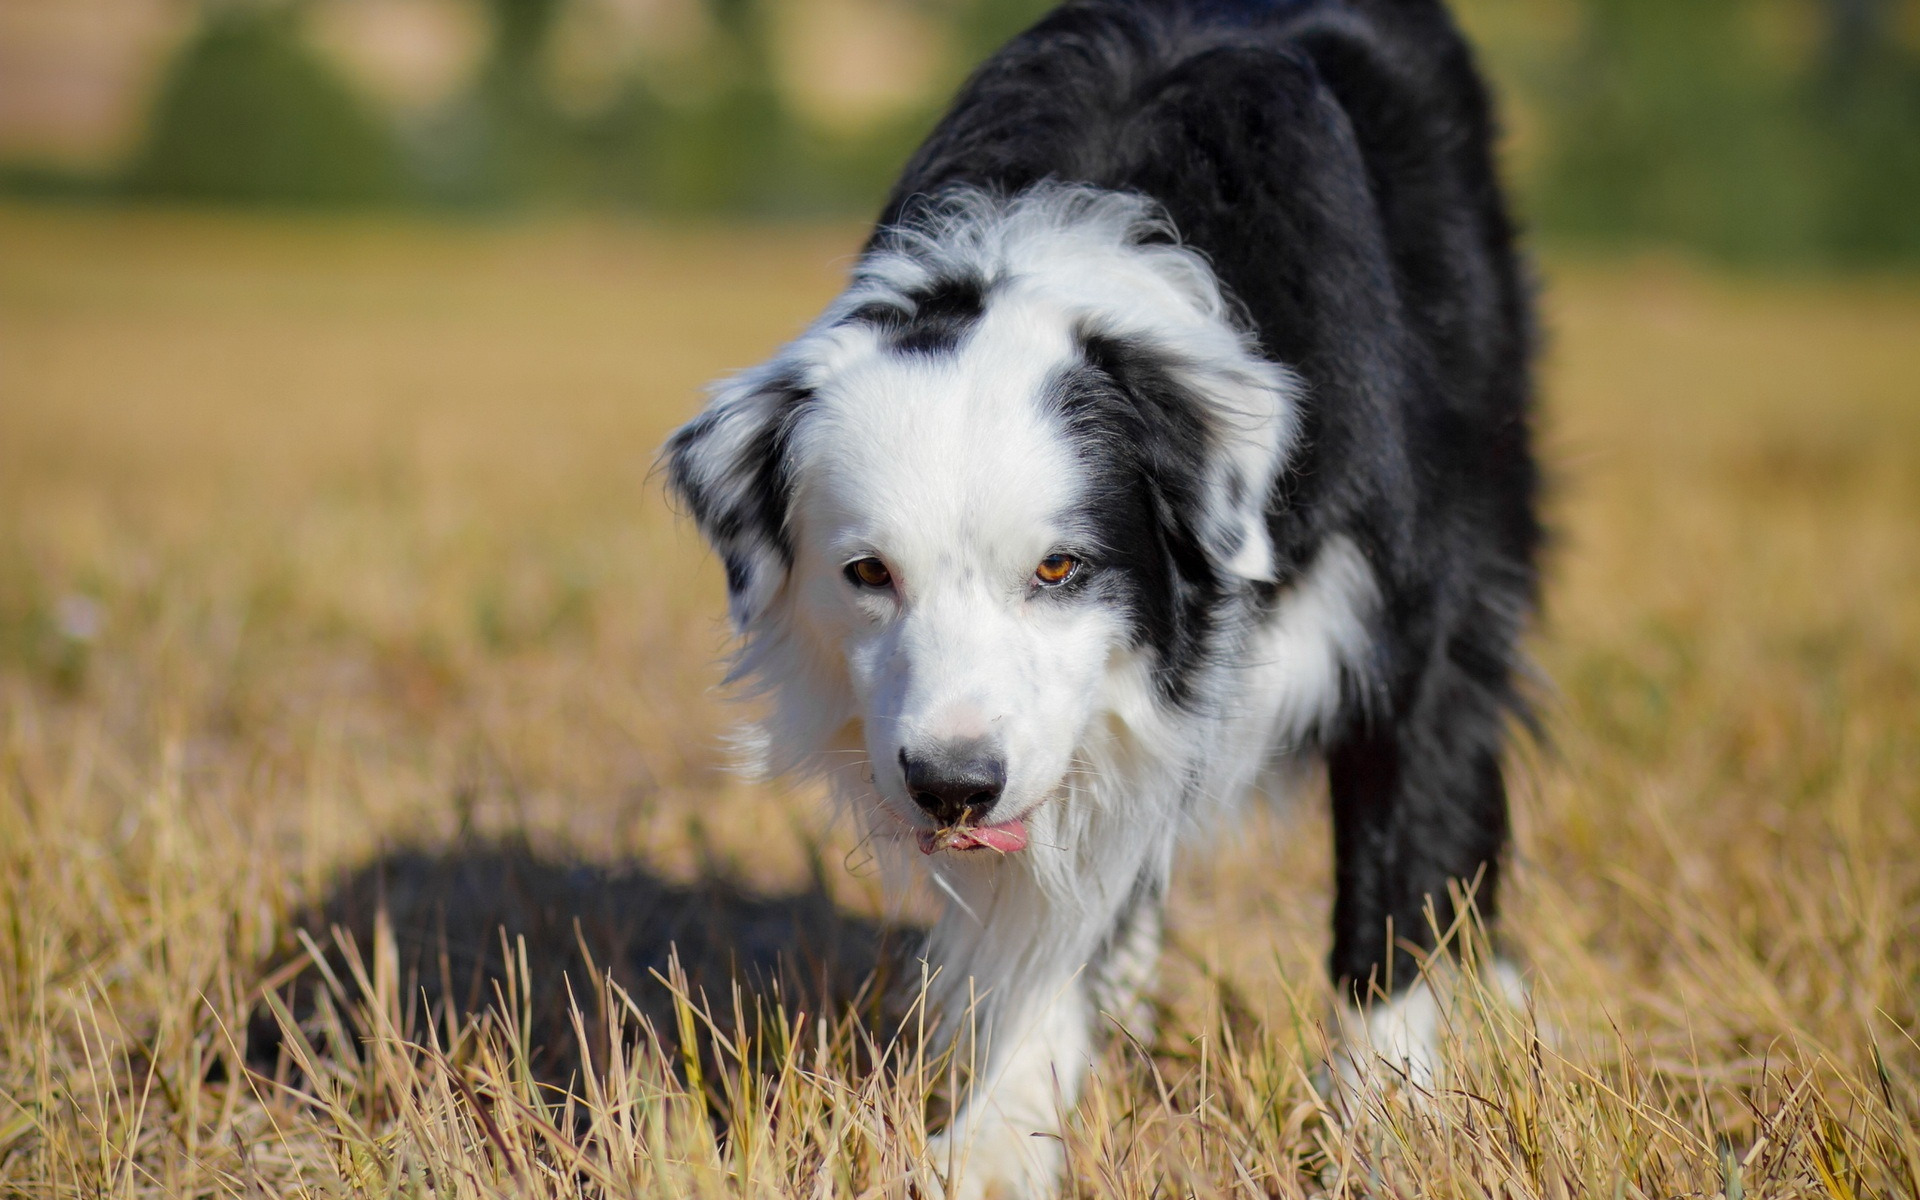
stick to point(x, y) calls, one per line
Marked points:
point(1144, 440)
point(928, 320)
point(770, 495)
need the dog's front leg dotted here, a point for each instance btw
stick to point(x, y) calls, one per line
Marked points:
point(1030, 1059)
point(1028, 1042)
point(1123, 971)
point(1419, 823)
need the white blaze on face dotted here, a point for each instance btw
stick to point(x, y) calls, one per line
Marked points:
point(948, 469)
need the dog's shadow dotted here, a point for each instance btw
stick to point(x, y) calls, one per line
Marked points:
point(462, 917)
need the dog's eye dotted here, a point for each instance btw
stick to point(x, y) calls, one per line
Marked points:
point(1056, 569)
point(869, 573)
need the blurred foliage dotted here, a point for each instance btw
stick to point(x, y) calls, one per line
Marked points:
point(1783, 131)
point(735, 147)
point(249, 112)
point(1679, 123)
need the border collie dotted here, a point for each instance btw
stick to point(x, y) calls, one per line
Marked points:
point(1173, 427)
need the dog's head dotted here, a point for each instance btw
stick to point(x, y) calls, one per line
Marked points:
point(993, 498)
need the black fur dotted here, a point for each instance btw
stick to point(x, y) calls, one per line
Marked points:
point(1333, 160)
point(1144, 445)
point(941, 315)
point(746, 507)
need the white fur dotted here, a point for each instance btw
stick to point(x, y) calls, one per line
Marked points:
point(950, 469)
point(1402, 1040)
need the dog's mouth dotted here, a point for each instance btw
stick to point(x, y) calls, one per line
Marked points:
point(1008, 837)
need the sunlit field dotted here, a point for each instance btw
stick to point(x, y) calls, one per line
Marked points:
point(361, 762)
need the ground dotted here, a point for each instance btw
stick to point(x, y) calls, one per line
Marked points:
point(340, 607)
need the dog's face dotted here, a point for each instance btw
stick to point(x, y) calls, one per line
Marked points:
point(949, 549)
point(965, 503)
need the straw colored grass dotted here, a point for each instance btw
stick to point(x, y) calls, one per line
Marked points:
point(360, 767)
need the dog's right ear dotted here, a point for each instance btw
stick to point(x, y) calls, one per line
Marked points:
point(729, 466)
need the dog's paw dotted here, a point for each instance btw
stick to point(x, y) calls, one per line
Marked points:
point(996, 1160)
point(1401, 1042)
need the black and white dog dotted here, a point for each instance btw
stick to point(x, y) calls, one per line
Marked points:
point(1174, 425)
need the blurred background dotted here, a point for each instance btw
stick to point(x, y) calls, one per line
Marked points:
point(1750, 131)
point(339, 608)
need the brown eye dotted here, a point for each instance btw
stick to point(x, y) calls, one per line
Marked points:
point(1056, 569)
point(869, 573)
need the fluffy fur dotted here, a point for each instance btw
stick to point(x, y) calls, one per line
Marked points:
point(1218, 301)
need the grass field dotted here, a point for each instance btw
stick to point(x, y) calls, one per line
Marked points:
point(337, 604)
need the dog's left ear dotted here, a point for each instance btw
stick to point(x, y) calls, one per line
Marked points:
point(1216, 429)
point(1251, 416)
point(729, 467)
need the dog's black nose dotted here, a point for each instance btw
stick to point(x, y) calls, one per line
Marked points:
point(954, 780)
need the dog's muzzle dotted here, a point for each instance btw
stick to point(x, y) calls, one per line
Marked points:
point(958, 784)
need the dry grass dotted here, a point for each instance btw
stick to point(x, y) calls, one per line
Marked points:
point(335, 596)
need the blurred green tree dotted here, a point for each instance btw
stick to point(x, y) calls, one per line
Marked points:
point(1869, 100)
point(524, 142)
point(1752, 130)
point(249, 113)
point(727, 146)
point(1675, 123)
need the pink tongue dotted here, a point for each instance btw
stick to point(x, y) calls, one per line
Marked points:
point(1005, 838)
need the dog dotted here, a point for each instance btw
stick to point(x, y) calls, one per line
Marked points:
point(1173, 428)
